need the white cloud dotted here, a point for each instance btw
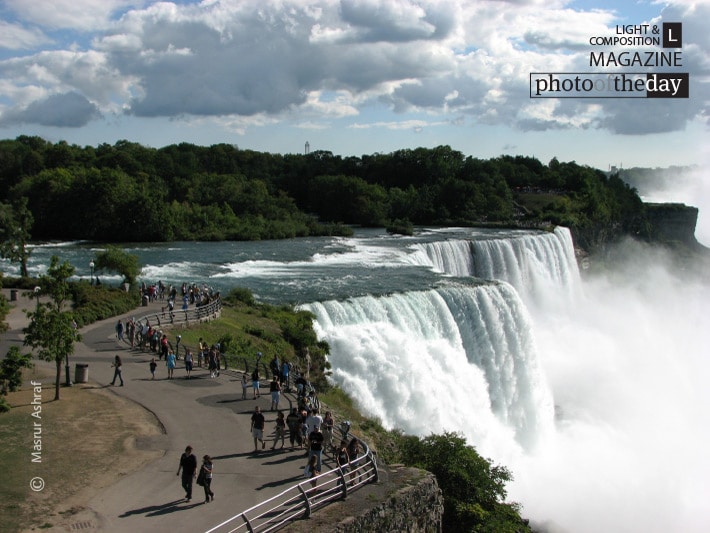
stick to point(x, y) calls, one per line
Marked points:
point(83, 15)
point(414, 125)
point(17, 37)
point(285, 60)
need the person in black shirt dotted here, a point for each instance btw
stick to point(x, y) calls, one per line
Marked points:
point(188, 465)
point(257, 427)
point(342, 458)
point(293, 421)
point(315, 446)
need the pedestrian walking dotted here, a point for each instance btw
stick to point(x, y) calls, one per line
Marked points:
point(255, 382)
point(327, 428)
point(275, 389)
point(257, 427)
point(245, 386)
point(170, 363)
point(205, 478)
point(280, 430)
point(188, 468)
point(188, 362)
point(311, 471)
point(117, 370)
point(315, 446)
point(293, 421)
point(342, 459)
point(353, 453)
point(119, 330)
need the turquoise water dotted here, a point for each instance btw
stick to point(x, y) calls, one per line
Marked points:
point(287, 271)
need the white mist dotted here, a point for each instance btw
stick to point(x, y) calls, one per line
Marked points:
point(628, 366)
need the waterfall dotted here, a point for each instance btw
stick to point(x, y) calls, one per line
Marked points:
point(534, 264)
point(455, 358)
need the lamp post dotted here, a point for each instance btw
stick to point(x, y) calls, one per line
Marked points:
point(91, 266)
point(37, 291)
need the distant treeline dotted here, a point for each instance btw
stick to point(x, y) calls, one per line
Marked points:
point(129, 192)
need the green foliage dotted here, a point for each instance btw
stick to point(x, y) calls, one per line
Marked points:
point(473, 488)
point(240, 294)
point(11, 369)
point(98, 302)
point(226, 342)
point(15, 223)
point(128, 192)
point(51, 330)
point(115, 259)
point(401, 227)
point(4, 310)
point(297, 329)
point(247, 326)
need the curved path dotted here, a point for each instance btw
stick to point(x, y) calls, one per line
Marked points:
point(203, 412)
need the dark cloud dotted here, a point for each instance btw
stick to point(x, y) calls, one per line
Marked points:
point(191, 68)
point(645, 116)
point(68, 110)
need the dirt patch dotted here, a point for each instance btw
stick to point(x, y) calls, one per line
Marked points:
point(77, 445)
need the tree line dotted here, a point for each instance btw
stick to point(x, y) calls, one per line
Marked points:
point(129, 192)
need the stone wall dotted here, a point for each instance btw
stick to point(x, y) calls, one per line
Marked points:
point(404, 500)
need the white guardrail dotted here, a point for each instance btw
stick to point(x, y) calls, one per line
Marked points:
point(165, 317)
point(299, 501)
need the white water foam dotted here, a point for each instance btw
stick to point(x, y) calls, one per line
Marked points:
point(626, 362)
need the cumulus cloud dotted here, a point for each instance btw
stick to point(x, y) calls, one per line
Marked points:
point(277, 58)
point(62, 110)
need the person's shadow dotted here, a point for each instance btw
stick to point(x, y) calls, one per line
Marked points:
point(162, 509)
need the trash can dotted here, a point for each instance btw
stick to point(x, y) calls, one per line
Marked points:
point(81, 373)
point(13, 295)
point(145, 300)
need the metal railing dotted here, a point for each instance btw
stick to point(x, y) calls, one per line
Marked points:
point(301, 500)
point(199, 314)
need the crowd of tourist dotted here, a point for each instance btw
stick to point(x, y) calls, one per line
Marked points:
point(303, 425)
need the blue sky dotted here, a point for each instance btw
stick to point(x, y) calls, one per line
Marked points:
point(349, 76)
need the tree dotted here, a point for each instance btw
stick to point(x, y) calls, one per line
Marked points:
point(51, 329)
point(11, 370)
point(15, 223)
point(4, 309)
point(115, 259)
point(473, 488)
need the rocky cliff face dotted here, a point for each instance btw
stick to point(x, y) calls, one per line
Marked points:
point(667, 224)
point(404, 499)
point(672, 223)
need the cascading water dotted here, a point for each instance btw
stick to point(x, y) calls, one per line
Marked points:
point(623, 354)
point(406, 348)
point(534, 264)
point(486, 328)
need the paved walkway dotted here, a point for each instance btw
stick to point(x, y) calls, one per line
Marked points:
point(206, 413)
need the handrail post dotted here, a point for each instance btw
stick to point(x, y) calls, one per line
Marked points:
point(373, 460)
point(343, 481)
point(307, 513)
point(248, 523)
